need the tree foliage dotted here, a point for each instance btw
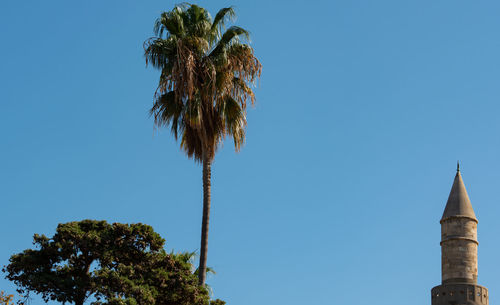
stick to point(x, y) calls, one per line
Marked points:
point(107, 264)
point(206, 77)
point(166, 279)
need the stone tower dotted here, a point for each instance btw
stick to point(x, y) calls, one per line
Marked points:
point(459, 252)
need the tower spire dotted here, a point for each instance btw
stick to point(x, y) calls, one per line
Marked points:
point(458, 204)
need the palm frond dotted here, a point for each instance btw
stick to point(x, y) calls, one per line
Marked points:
point(219, 23)
point(231, 35)
point(244, 63)
point(209, 270)
point(199, 21)
point(242, 92)
point(234, 120)
point(159, 24)
point(168, 110)
point(172, 22)
point(191, 143)
point(158, 52)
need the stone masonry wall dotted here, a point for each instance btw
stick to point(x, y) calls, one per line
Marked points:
point(459, 250)
point(459, 294)
point(464, 227)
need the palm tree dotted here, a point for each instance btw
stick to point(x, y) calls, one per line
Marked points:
point(205, 84)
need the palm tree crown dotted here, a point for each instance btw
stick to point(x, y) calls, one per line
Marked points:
point(206, 74)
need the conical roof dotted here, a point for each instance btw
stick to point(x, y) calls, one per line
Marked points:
point(458, 202)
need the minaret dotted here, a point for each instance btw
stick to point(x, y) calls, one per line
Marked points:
point(459, 252)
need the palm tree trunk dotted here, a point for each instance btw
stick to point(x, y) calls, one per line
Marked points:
point(207, 172)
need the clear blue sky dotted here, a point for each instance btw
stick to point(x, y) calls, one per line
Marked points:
point(363, 109)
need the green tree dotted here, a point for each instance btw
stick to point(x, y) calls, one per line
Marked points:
point(114, 263)
point(163, 279)
point(205, 84)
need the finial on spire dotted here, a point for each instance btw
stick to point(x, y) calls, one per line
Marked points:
point(458, 166)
